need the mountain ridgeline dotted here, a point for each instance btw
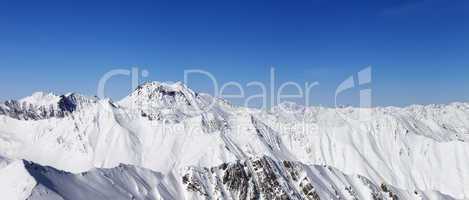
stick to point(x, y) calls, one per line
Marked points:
point(165, 141)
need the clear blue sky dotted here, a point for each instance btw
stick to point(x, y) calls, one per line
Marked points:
point(419, 49)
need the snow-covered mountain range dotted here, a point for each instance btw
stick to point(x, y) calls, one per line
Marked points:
point(165, 141)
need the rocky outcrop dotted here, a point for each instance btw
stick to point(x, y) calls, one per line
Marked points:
point(264, 178)
point(58, 106)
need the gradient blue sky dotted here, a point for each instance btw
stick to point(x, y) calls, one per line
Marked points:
point(419, 49)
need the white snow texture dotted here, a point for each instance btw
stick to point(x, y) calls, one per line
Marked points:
point(165, 141)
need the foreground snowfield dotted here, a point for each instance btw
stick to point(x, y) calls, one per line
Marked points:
point(172, 151)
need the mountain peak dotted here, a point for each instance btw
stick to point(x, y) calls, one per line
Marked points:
point(155, 86)
point(158, 99)
point(161, 91)
point(72, 101)
point(41, 105)
point(41, 99)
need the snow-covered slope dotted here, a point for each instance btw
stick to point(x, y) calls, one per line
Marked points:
point(42, 106)
point(257, 178)
point(15, 182)
point(168, 128)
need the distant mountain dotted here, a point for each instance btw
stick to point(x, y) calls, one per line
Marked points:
point(165, 141)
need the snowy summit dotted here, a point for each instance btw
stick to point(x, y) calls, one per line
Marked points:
point(165, 141)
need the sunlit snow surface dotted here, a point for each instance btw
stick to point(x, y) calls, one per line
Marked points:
point(160, 136)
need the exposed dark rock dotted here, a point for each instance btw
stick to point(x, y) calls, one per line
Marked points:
point(66, 105)
point(25, 111)
point(253, 179)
